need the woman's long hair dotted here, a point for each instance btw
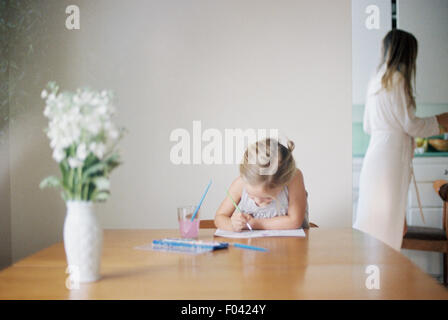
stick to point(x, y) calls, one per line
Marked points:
point(400, 54)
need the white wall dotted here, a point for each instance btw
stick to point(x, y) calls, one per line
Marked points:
point(428, 22)
point(366, 43)
point(231, 64)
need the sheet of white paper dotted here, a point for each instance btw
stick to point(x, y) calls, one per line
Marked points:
point(260, 233)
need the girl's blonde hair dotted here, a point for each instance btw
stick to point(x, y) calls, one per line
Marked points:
point(250, 170)
point(400, 55)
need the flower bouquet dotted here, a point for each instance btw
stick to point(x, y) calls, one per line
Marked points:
point(84, 140)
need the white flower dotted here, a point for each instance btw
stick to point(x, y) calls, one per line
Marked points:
point(83, 120)
point(74, 163)
point(53, 143)
point(95, 101)
point(98, 149)
point(92, 146)
point(81, 152)
point(102, 109)
point(65, 142)
point(47, 111)
point(58, 155)
point(44, 94)
point(113, 134)
point(93, 127)
point(60, 104)
point(111, 130)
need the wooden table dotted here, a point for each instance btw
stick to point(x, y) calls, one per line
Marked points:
point(327, 264)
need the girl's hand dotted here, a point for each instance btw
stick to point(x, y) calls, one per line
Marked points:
point(239, 221)
point(250, 221)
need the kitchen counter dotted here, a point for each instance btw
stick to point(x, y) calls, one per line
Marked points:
point(360, 142)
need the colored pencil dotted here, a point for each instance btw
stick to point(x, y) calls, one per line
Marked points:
point(237, 208)
point(245, 246)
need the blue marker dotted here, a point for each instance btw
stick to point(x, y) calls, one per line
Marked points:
point(245, 246)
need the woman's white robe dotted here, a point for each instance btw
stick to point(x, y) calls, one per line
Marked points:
point(387, 166)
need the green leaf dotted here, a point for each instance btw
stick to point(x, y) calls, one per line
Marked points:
point(113, 161)
point(90, 160)
point(100, 196)
point(65, 169)
point(101, 183)
point(50, 181)
point(112, 157)
point(96, 168)
point(112, 165)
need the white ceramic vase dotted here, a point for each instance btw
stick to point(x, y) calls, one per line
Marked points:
point(83, 241)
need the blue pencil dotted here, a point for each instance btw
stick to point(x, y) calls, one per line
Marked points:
point(245, 246)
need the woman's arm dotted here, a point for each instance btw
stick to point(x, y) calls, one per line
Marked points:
point(405, 114)
point(226, 211)
point(442, 119)
point(296, 208)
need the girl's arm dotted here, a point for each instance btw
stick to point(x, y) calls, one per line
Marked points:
point(226, 210)
point(296, 208)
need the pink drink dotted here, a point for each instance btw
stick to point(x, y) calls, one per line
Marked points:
point(188, 228)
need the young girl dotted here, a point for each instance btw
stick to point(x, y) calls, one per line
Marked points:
point(273, 201)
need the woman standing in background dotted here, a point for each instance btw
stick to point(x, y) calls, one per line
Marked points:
point(389, 118)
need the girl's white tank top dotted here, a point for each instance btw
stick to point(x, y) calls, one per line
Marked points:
point(277, 207)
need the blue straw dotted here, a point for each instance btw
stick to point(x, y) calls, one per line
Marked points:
point(245, 246)
point(200, 202)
